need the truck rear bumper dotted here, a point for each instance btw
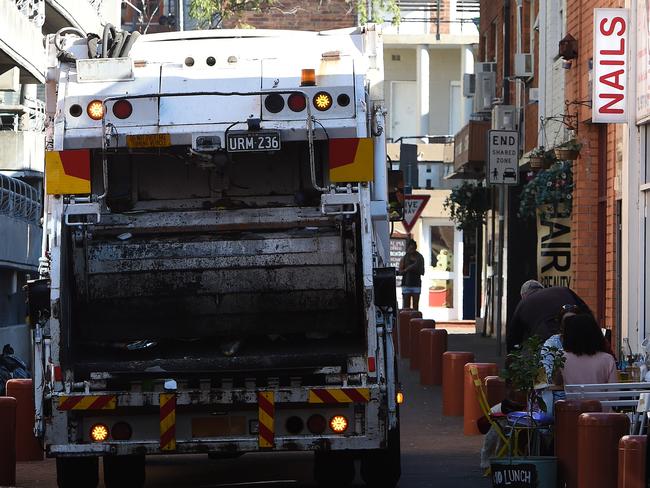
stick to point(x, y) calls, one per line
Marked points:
point(297, 443)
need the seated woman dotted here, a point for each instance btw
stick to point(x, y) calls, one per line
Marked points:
point(588, 358)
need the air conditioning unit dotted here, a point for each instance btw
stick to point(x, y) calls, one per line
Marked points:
point(533, 95)
point(523, 65)
point(485, 91)
point(469, 84)
point(504, 118)
point(485, 67)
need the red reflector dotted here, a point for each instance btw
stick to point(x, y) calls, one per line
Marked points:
point(58, 376)
point(297, 102)
point(122, 109)
point(372, 366)
point(316, 424)
point(121, 431)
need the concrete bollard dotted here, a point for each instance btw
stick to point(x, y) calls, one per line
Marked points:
point(471, 407)
point(433, 344)
point(631, 461)
point(405, 317)
point(416, 326)
point(27, 446)
point(8, 441)
point(453, 364)
point(598, 437)
point(495, 389)
point(566, 438)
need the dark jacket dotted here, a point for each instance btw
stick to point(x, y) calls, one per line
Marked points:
point(537, 314)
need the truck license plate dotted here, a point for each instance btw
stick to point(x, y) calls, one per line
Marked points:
point(253, 141)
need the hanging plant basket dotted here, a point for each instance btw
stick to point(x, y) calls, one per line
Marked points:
point(536, 162)
point(566, 154)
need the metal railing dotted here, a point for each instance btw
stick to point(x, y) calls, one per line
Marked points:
point(26, 116)
point(19, 200)
point(34, 10)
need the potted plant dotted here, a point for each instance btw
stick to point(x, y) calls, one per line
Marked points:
point(467, 205)
point(536, 157)
point(552, 187)
point(568, 151)
point(526, 375)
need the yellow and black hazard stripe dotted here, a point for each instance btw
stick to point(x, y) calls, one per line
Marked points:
point(266, 417)
point(167, 421)
point(87, 402)
point(339, 395)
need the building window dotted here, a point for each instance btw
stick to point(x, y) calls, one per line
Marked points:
point(395, 57)
point(428, 184)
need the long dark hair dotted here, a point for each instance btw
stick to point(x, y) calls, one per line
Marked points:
point(582, 335)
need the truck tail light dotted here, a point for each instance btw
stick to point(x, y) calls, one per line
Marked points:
point(122, 109)
point(297, 102)
point(121, 431)
point(99, 432)
point(339, 424)
point(322, 101)
point(95, 110)
point(294, 425)
point(399, 398)
point(372, 364)
point(274, 103)
point(316, 424)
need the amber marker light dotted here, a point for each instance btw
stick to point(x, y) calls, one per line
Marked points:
point(322, 101)
point(339, 424)
point(400, 398)
point(95, 110)
point(308, 77)
point(99, 433)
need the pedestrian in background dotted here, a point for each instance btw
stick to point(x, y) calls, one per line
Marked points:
point(411, 267)
point(536, 313)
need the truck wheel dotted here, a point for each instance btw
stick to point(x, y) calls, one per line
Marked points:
point(333, 469)
point(124, 471)
point(382, 468)
point(82, 472)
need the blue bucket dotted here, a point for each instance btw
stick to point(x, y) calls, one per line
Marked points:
point(524, 472)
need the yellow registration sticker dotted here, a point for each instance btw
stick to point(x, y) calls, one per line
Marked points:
point(149, 140)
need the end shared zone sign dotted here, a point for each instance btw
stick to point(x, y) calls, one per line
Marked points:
point(503, 157)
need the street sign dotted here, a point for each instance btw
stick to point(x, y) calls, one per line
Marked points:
point(503, 157)
point(413, 206)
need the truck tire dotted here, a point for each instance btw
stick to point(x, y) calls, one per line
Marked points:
point(81, 472)
point(124, 471)
point(382, 468)
point(333, 469)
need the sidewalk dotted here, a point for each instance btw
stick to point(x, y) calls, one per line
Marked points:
point(435, 453)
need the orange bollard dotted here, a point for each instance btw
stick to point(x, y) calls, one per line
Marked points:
point(471, 407)
point(566, 438)
point(405, 317)
point(453, 364)
point(495, 389)
point(598, 437)
point(8, 441)
point(27, 446)
point(433, 343)
point(414, 331)
point(631, 461)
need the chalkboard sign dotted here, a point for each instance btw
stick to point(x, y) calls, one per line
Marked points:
point(397, 250)
point(514, 475)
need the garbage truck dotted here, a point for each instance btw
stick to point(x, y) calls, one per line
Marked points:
point(215, 273)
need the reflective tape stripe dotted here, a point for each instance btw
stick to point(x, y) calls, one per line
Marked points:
point(88, 402)
point(266, 417)
point(339, 395)
point(167, 421)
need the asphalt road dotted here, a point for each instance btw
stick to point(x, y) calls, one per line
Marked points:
point(434, 451)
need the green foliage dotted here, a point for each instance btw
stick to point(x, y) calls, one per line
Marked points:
point(467, 205)
point(210, 13)
point(380, 9)
point(553, 186)
point(524, 369)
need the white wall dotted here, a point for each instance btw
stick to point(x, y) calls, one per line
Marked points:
point(445, 67)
